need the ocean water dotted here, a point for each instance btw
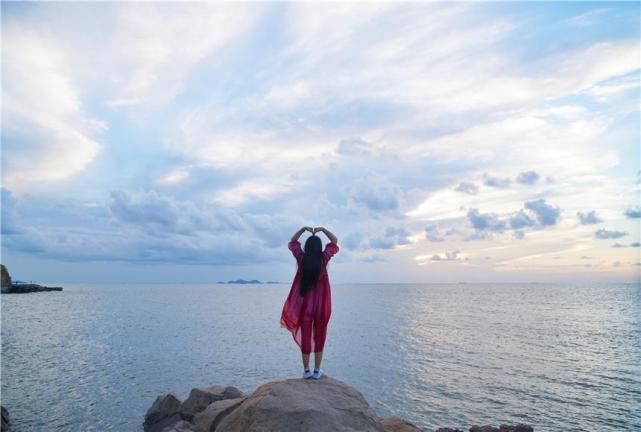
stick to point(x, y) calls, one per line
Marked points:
point(559, 357)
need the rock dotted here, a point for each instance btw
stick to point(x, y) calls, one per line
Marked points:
point(446, 429)
point(304, 406)
point(5, 413)
point(518, 428)
point(486, 428)
point(200, 397)
point(208, 419)
point(397, 424)
point(163, 413)
point(181, 426)
point(5, 278)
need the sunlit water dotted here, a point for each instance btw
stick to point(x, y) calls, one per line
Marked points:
point(562, 358)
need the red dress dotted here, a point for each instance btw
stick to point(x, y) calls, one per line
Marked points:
point(306, 317)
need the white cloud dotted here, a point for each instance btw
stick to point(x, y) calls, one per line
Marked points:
point(47, 135)
point(154, 46)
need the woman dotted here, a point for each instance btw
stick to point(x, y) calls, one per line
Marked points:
point(309, 304)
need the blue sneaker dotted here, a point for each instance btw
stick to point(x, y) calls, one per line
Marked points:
point(307, 374)
point(317, 373)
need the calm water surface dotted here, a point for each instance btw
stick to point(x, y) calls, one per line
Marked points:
point(562, 358)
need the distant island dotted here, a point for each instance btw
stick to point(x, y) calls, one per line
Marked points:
point(243, 281)
point(19, 287)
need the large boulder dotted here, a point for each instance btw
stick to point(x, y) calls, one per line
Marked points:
point(397, 424)
point(486, 428)
point(5, 278)
point(208, 419)
point(164, 412)
point(517, 428)
point(200, 397)
point(302, 405)
point(5, 417)
point(181, 426)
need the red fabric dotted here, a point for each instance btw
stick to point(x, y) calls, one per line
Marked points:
point(306, 317)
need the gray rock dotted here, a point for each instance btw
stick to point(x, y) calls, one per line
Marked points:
point(397, 424)
point(486, 428)
point(200, 397)
point(518, 428)
point(446, 429)
point(304, 406)
point(181, 426)
point(163, 424)
point(5, 418)
point(208, 419)
point(163, 413)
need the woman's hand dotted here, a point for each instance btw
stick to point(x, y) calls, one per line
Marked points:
point(328, 233)
point(298, 233)
point(310, 229)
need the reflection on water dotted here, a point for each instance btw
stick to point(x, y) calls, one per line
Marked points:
point(558, 357)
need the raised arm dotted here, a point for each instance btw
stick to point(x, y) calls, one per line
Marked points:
point(298, 233)
point(328, 233)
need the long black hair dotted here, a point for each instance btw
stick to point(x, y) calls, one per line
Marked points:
point(311, 265)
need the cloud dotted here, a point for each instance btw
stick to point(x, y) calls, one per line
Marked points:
point(373, 259)
point(608, 234)
point(478, 235)
point(153, 47)
point(353, 240)
point(520, 220)
point(495, 182)
point(145, 211)
point(432, 234)
point(633, 213)
point(467, 188)
point(586, 18)
point(528, 177)
point(589, 218)
point(449, 256)
point(9, 217)
point(546, 214)
point(376, 193)
point(393, 236)
point(47, 135)
point(354, 147)
point(619, 245)
point(145, 226)
point(518, 235)
point(485, 222)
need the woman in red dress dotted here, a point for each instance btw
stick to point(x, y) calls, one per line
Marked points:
point(308, 306)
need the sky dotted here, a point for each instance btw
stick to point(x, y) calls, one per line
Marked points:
point(440, 142)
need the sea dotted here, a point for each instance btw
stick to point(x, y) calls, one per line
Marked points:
point(558, 357)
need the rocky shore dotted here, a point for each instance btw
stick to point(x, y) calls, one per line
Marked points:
point(297, 405)
point(8, 287)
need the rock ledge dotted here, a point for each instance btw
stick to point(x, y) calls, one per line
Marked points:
point(301, 405)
